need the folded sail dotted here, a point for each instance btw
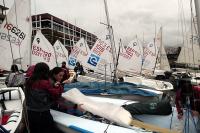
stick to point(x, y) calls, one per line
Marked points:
point(106, 110)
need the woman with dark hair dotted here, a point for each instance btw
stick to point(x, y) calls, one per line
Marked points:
point(56, 76)
point(40, 95)
point(15, 78)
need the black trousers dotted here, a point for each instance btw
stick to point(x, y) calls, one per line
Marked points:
point(41, 122)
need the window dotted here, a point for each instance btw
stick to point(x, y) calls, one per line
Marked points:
point(46, 24)
point(77, 34)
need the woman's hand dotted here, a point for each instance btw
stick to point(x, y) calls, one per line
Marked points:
point(80, 108)
point(66, 81)
point(57, 84)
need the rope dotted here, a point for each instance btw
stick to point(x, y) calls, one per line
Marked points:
point(192, 23)
point(171, 118)
point(20, 57)
point(8, 34)
point(105, 131)
point(150, 127)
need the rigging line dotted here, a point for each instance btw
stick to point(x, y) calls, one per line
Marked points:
point(192, 23)
point(56, 57)
point(52, 39)
point(105, 131)
point(35, 16)
point(179, 33)
point(8, 34)
point(119, 51)
point(141, 52)
point(87, 50)
point(20, 57)
point(112, 41)
point(197, 33)
point(182, 30)
point(157, 50)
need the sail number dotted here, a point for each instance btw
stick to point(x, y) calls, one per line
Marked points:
point(37, 51)
point(9, 38)
point(15, 30)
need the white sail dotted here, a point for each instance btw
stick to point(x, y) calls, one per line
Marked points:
point(79, 53)
point(42, 51)
point(61, 53)
point(130, 60)
point(162, 60)
point(15, 35)
point(149, 57)
point(190, 53)
point(100, 58)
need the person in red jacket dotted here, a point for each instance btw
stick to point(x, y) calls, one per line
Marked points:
point(66, 75)
point(185, 98)
point(40, 95)
point(29, 71)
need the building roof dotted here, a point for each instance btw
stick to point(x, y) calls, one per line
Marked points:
point(58, 20)
point(3, 7)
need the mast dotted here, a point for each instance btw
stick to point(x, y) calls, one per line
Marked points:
point(112, 42)
point(161, 45)
point(155, 49)
point(197, 8)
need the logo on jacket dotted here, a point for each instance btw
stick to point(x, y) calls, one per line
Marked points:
point(93, 59)
point(72, 61)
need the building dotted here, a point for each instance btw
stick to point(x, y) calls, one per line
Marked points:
point(2, 13)
point(54, 29)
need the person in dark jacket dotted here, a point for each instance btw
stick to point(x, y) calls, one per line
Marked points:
point(15, 78)
point(40, 95)
point(79, 70)
point(185, 97)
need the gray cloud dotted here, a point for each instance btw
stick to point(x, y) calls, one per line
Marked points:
point(128, 17)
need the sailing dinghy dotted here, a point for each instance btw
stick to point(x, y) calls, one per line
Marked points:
point(117, 119)
point(12, 99)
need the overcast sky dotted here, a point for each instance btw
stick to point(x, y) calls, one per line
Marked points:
point(128, 17)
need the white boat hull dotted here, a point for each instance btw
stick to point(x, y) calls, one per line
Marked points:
point(13, 105)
